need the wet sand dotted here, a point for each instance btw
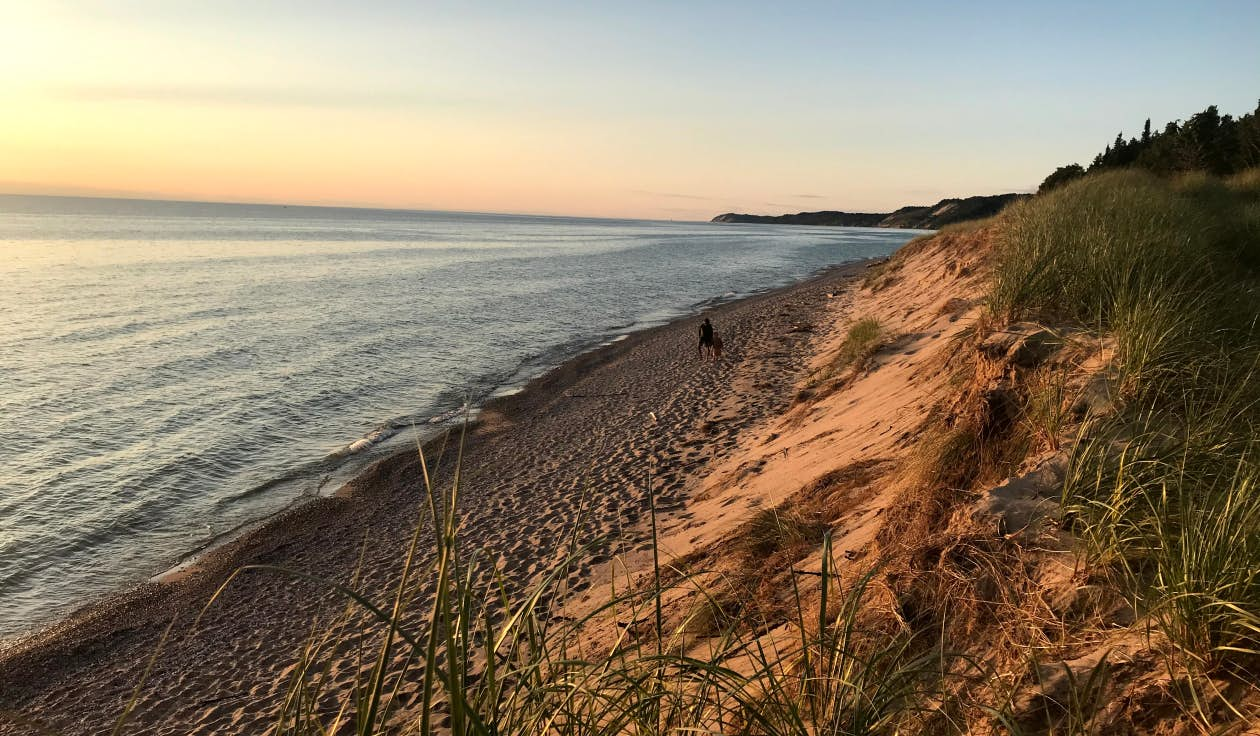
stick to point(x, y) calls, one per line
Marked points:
point(573, 447)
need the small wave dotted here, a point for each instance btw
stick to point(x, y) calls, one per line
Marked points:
point(303, 471)
point(95, 333)
point(389, 429)
point(217, 312)
point(447, 416)
point(371, 438)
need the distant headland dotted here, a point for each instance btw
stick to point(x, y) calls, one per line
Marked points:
point(944, 212)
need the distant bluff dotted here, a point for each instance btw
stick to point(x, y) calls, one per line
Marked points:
point(942, 213)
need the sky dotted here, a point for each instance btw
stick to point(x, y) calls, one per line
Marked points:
point(669, 110)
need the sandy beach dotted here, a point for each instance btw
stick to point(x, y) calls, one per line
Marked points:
point(576, 444)
point(356, 374)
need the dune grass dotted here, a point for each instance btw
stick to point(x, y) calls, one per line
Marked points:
point(1164, 491)
point(860, 343)
point(863, 339)
point(1245, 183)
point(771, 531)
point(1045, 407)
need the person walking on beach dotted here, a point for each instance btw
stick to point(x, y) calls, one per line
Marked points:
point(706, 337)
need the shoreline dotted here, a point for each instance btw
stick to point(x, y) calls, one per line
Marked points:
point(444, 421)
point(398, 440)
point(91, 632)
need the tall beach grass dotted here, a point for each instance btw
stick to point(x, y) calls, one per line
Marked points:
point(1164, 491)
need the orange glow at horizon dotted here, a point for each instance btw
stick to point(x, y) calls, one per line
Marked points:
point(89, 110)
point(584, 109)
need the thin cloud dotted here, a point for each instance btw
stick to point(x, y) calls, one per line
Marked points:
point(44, 189)
point(671, 195)
point(796, 205)
point(217, 95)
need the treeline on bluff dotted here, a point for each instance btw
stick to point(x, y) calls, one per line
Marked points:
point(1208, 141)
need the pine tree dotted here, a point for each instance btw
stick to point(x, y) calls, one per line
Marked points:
point(1249, 140)
point(1207, 141)
point(1119, 151)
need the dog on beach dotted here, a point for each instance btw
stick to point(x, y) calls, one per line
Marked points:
point(712, 349)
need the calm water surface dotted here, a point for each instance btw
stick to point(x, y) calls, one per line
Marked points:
point(171, 371)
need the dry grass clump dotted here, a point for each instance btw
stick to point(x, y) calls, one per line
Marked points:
point(864, 338)
point(832, 492)
point(859, 344)
point(977, 438)
point(797, 526)
point(883, 274)
point(1245, 183)
point(761, 554)
point(772, 532)
point(980, 438)
point(973, 588)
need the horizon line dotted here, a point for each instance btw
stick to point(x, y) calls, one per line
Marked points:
point(366, 208)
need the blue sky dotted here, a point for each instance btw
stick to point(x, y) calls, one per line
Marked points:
point(646, 109)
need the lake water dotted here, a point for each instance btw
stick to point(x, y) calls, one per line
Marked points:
point(171, 371)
